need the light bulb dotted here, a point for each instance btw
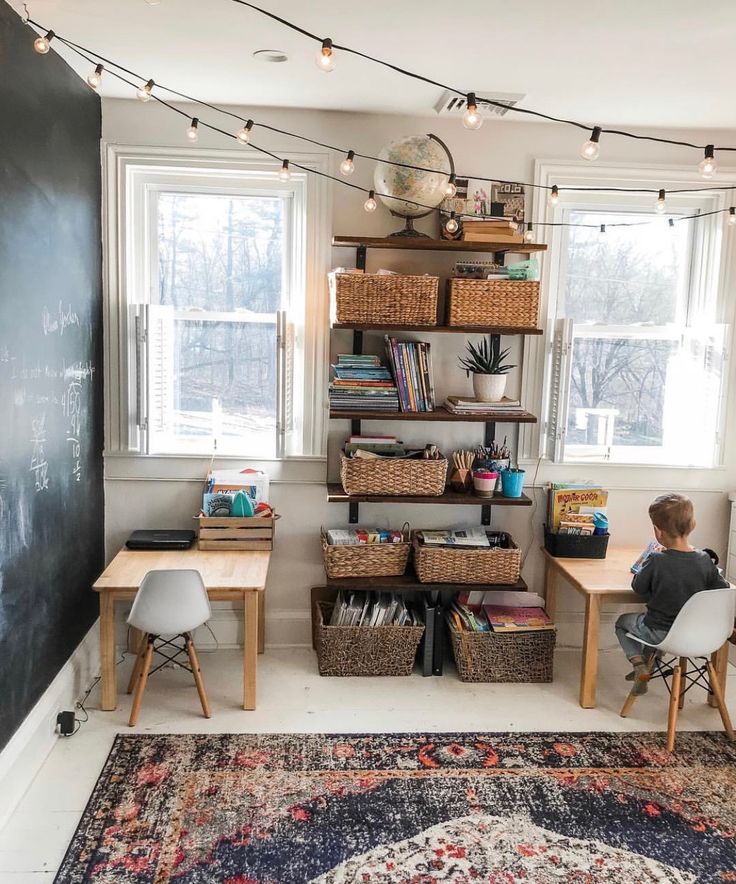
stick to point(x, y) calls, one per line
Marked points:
point(325, 59)
point(284, 171)
point(243, 135)
point(529, 235)
point(660, 206)
point(193, 130)
point(591, 148)
point(370, 204)
point(708, 166)
point(554, 196)
point(451, 225)
point(95, 78)
point(43, 44)
point(144, 93)
point(732, 216)
point(450, 188)
point(472, 118)
point(347, 166)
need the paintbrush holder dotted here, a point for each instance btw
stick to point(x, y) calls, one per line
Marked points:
point(461, 480)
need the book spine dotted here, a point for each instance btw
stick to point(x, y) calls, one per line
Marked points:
point(425, 375)
point(400, 376)
point(430, 377)
point(412, 351)
point(420, 375)
point(407, 375)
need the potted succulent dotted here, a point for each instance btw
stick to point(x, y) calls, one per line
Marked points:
point(486, 363)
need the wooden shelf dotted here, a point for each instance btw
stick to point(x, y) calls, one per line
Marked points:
point(446, 329)
point(335, 494)
point(421, 244)
point(410, 581)
point(439, 414)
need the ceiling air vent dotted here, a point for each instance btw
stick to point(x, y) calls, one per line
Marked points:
point(453, 105)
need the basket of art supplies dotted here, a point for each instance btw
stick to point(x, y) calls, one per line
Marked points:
point(395, 476)
point(503, 303)
point(365, 552)
point(503, 656)
point(235, 512)
point(469, 556)
point(384, 298)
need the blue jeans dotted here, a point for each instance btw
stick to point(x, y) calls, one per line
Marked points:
point(634, 623)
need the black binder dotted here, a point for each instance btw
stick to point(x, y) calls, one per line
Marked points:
point(427, 649)
point(438, 655)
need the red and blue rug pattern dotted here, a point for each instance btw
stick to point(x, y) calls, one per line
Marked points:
point(409, 809)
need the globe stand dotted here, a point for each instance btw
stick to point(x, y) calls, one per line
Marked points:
point(409, 230)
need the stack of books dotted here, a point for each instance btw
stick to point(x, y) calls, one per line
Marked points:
point(571, 508)
point(491, 230)
point(465, 538)
point(411, 365)
point(362, 383)
point(469, 405)
point(358, 536)
point(373, 609)
point(499, 611)
point(388, 446)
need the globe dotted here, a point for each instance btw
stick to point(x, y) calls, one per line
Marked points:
point(409, 192)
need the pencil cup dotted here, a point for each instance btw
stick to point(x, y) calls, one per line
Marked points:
point(512, 482)
point(461, 480)
point(484, 482)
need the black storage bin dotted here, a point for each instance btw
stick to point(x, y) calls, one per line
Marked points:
point(576, 546)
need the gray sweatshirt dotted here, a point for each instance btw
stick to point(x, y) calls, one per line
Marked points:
point(669, 578)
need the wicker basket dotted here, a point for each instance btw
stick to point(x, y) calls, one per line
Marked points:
point(386, 300)
point(504, 656)
point(365, 559)
point(364, 650)
point(504, 303)
point(452, 565)
point(393, 476)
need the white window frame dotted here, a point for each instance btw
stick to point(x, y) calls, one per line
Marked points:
point(713, 267)
point(128, 275)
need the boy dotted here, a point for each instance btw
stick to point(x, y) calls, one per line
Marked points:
point(666, 581)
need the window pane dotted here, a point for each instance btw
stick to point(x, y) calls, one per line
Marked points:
point(627, 274)
point(221, 253)
point(617, 392)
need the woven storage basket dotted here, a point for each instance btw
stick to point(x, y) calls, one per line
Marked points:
point(386, 300)
point(504, 656)
point(393, 476)
point(365, 559)
point(493, 302)
point(364, 650)
point(452, 565)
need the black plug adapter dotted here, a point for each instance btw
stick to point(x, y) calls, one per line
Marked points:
point(65, 721)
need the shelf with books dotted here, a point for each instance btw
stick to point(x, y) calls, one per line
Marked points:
point(441, 329)
point(409, 581)
point(336, 494)
point(439, 414)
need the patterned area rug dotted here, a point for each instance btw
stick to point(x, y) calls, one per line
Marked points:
point(290, 809)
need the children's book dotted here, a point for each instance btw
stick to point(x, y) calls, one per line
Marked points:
point(563, 501)
point(651, 548)
point(517, 619)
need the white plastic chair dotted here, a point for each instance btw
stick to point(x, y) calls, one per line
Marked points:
point(168, 603)
point(701, 628)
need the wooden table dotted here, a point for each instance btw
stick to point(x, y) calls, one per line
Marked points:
point(229, 575)
point(598, 581)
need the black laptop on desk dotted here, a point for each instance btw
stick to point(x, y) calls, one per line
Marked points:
point(161, 539)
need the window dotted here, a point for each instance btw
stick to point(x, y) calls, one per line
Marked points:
point(636, 366)
point(223, 315)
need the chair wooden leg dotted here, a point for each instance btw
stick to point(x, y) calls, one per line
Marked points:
point(715, 686)
point(196, 671)
point(140, 654)
point(142, 681)
point(683, 673)
point(674, 707)
point(629, 701)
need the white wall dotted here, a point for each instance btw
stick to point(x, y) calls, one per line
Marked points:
point(144, 492)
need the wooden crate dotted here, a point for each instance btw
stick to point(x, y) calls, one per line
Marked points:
point(230, 532)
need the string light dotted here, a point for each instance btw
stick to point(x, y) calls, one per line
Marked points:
point(284, 171)
point(43, 44)
point(451, 225)
point(325, 60)
point(95, 78)
point(603, 228)
point(243, 135)
point(671, 223)
point(554, 196)
point(660, 207)
point(193, 130)
point(529, 235)
point(370, 205)
point(144, 93)
point(450, 190)
point(708, 166)
point(732, 216)
point(347, 166)
point(472, 118)
point(591, 148)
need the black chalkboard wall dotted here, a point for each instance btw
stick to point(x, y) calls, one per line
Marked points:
point(51, 483)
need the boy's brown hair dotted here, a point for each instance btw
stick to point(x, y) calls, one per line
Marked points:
point(673, 514)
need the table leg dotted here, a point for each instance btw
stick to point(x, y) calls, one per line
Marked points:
point(589, 669)
point(250, 649)
point(108, 699)
point(550, 589)
point(261, 596)
point(719, 659)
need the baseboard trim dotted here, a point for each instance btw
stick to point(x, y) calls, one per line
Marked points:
point(22, 757)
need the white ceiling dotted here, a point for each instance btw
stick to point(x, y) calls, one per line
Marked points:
point(630, 62)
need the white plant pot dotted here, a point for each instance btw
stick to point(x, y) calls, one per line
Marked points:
point(489, 387)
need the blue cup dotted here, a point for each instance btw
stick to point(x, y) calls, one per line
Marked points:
point(512, 482)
